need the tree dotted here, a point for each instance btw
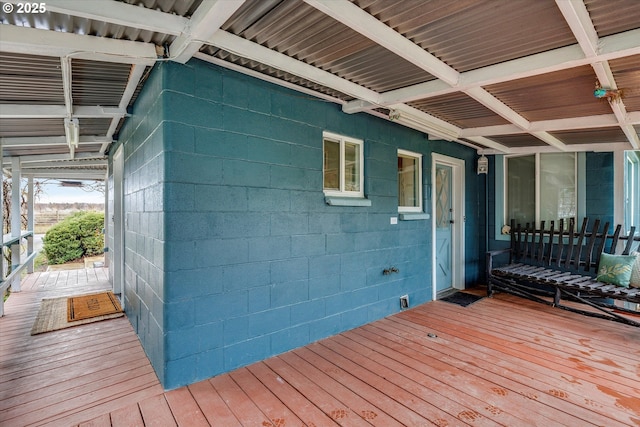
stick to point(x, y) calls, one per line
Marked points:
point(6, 208)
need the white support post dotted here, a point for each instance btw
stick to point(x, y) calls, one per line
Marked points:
point(30, 222)
point(15, 219)
point(107, 214)
point(1, 221)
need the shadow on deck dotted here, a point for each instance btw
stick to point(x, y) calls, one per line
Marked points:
point(499, 361)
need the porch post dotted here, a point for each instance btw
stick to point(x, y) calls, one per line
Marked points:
point(107, 213)
point(15, 219)
point(30, 222)
point(1, 217)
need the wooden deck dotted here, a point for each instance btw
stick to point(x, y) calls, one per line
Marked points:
point(501, 361)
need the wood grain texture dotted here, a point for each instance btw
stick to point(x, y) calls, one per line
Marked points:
point(500, 361)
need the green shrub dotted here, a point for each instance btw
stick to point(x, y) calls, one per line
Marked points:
point(76, 236)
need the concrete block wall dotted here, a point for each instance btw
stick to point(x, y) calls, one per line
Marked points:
point(142, 138)
point(599, 188)
point(255, 262)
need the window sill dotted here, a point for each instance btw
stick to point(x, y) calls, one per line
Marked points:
point(346, 201)
point(413, 216)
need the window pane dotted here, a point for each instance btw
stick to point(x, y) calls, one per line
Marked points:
point(521, 189)
point(331, 165)
point(632, 190)
point(557, 186)
point(408, 182)
point(351, 167)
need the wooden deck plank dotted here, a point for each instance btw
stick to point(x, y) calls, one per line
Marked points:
point(339, 391)
point(185, 410)
point(103, 420)
point(369, 391)
point(213, 407)
point(440, 394)
point(314, 395)
point(263, 392)
point(156, 412)
point(129, 416)
point(528, 328)
point(592, 399)
point(489, 339)
point(419, 399)
point(240, 404)
point(503, 392)
point(520, 348)
point(500, 361)
point(280, 395)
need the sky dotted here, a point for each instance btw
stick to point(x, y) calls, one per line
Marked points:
point(55, 193)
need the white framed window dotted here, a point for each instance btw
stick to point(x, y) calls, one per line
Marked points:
point(342, 167)
point(409, 181)
point(540, 187)
point(631, 189)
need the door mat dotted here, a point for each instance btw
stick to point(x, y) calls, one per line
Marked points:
point(53, 314)
point(462, 298)
point(88, 306)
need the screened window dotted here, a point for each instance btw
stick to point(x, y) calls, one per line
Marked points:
point(409, 181)
point(342, 166)
point(540, 187)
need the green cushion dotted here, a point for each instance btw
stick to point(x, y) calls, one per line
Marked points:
point(635, 273)
point(615, 269)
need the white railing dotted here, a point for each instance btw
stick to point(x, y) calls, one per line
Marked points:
point(18, 264)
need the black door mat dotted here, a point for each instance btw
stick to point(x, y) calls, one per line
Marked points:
point(461, 298)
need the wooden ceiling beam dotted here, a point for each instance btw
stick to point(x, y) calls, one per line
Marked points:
point(206, 20)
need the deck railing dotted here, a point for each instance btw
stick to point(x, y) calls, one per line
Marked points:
point(18, 264)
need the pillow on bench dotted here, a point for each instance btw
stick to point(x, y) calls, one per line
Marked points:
point(616, 269)
point(635, 273)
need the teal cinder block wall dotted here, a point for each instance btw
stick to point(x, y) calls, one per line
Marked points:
point(247, 259)
point(142, 140)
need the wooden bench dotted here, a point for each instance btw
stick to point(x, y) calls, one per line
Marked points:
point(562, 263)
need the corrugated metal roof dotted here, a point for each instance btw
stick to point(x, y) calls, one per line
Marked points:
point(626, 72)
point(591, 136)
point(518, 141)
point(466, 35)
point(460, 110)
point(31, 127)
point(29, 79)
point(470, 34)
point(562, 94)
point(273, 72)
point(99, 83)
point(305, 33)
point(177, 7)
point(613, 16)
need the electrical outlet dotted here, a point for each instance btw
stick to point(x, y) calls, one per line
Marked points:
point(404, 302)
